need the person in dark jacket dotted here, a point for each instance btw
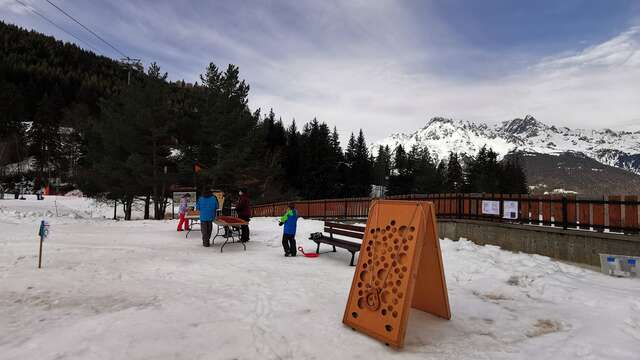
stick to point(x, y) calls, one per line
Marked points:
point(289, 220)
point(207, 205)
point(244, 212)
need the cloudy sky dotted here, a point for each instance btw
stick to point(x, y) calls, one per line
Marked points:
point(384, 66)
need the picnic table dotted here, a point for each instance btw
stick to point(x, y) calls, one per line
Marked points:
point(228, 224)
point(193, 218)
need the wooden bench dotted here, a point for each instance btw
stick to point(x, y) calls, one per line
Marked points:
point(332, 229)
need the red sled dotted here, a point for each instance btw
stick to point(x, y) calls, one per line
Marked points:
point(309, 255)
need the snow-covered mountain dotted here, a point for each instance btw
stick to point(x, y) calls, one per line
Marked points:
point(614, 148)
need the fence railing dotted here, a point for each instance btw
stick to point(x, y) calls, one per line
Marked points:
point(618, 214)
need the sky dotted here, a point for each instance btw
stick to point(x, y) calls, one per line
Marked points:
point(383, 66)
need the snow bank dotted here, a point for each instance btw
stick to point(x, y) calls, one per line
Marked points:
point(134, 290)
point(59, 210)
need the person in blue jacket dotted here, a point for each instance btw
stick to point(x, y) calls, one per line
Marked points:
point(289, 220)
point(207, 205)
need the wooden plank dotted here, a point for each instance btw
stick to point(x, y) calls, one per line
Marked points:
point(349, 227)
point(556, 205)
point(598, 216)
point(446, 204)
point(631, 215)
point(474, 208)
point(534, 205)
point(615, 214)
point(345, 244)
point(355, 235)
point(524, 209)
point(466, 207)
point(571, 212)
point(584, 215)
point(546, 211)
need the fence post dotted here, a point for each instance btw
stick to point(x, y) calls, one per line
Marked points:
point(273, 210)
point(325, 209)
point(564, 212)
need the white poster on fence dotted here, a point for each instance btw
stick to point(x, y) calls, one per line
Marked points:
point(510, 209)
point(490, 207)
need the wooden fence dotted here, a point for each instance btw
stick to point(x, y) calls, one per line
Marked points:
point(618, 214)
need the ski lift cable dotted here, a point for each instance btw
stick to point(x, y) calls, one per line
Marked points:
point(89, 30)
point(36, 12)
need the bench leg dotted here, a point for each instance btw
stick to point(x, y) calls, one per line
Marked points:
point(353, 255)
point(318, 248)
point(334, 248)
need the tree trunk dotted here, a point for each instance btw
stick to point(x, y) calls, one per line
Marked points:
point(115, 209)
point(128, 202)
point(154, 163)
point(147, 204)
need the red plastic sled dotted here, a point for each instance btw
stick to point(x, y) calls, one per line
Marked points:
point(309, 255)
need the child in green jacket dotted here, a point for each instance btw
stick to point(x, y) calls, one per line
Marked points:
point(289, 220)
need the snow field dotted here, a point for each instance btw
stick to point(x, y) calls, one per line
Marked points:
point(141, 290)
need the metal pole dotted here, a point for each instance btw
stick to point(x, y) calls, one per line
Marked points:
point(40, 254)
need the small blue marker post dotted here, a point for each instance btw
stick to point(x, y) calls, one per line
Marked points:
point(42, 232)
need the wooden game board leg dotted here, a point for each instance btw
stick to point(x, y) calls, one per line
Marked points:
point(430, 292)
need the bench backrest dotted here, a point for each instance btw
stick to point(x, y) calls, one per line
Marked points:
point(353, 231)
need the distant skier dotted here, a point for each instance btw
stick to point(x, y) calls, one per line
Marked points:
point(289, 220)
point(207, 205)
point(244, 212)
point(182, 211)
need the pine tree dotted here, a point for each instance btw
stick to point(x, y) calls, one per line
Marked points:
point(44, 135)
point(292, 160)
point(483, 172)
point(319, 165)
point(361, 168)
point(441, 176)
point(455, 176)
point(512, 177)
point(382, 166)
point(402, 178)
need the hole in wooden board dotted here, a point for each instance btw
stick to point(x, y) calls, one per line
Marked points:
point(388, 327)
point(355, 315)
point(384, 297)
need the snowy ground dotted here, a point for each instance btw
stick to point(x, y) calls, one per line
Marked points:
point(140, 290)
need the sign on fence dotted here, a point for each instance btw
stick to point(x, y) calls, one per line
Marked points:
point(490, 207)
point(510, 210)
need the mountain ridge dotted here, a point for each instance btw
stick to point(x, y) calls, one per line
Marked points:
point(443, 135)
point(552, 147)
